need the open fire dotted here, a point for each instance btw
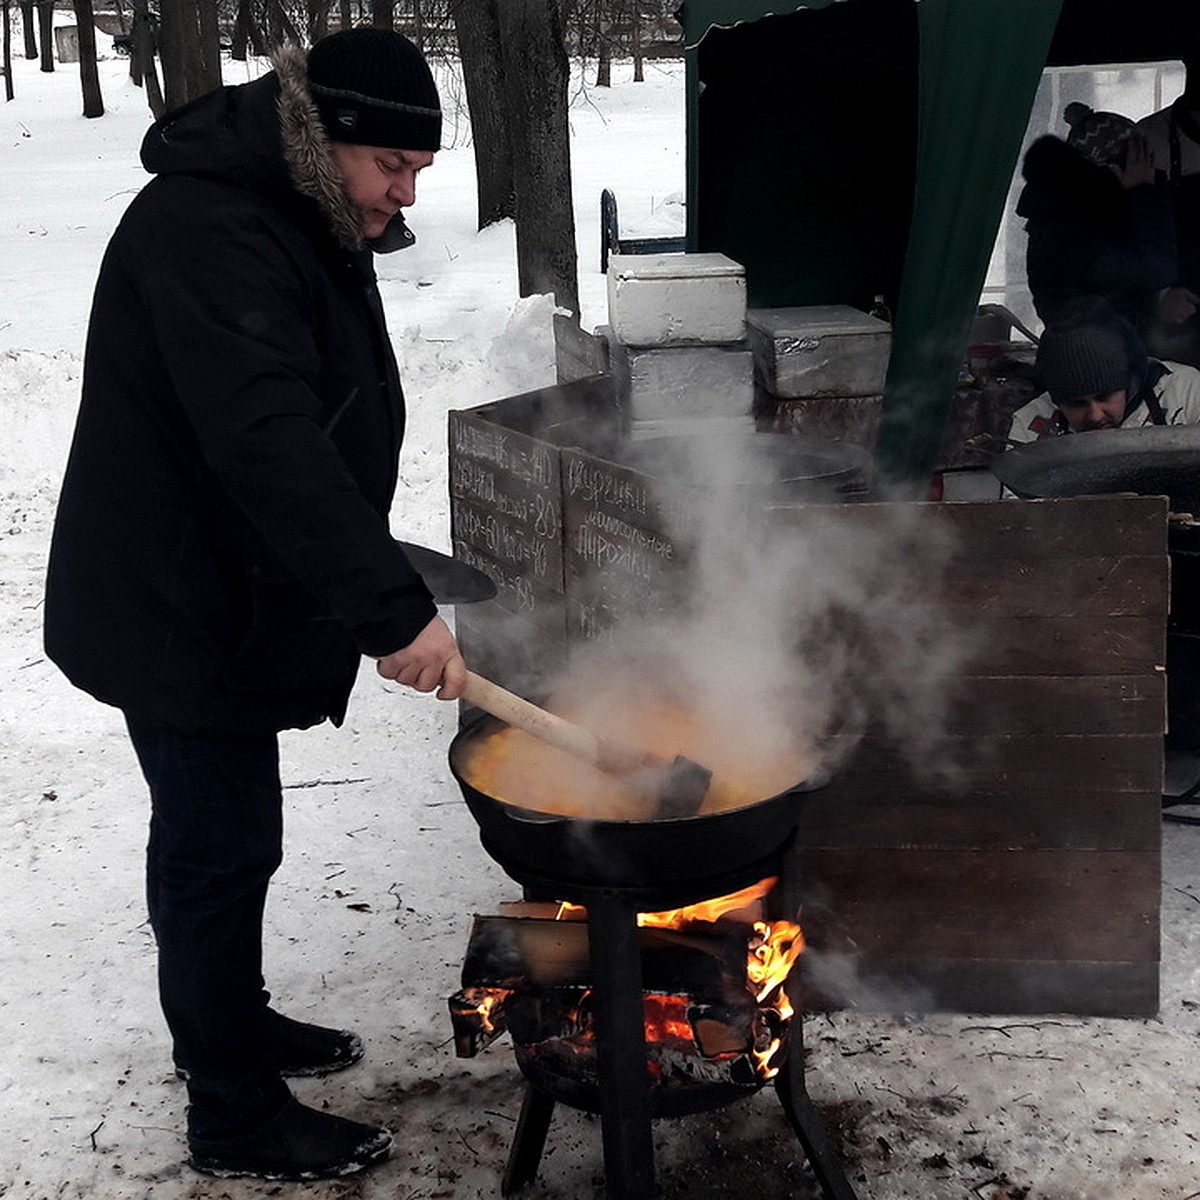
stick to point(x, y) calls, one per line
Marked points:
point(715, 1002)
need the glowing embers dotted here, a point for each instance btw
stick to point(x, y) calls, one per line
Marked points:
point(713, 980)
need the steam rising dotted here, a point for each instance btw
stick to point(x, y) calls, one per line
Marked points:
point(791, 635)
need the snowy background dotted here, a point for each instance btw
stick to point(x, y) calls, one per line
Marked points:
point(369, 915)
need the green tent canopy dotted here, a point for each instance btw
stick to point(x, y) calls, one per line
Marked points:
point(840, 149)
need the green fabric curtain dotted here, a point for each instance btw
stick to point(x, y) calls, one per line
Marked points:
point(981, 61)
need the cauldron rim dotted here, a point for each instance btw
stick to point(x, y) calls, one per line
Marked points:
point(536, 816)
point(625, 853)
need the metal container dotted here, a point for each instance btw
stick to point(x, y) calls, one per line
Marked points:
point(822, 350)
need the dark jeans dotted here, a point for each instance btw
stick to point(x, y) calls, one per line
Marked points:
point(216, 837)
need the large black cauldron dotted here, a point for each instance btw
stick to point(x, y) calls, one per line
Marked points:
point(1152, 460)
point(660, 855)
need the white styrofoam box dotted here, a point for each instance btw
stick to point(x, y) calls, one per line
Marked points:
point(658, 299)
point(822, 350)
point(685, 380)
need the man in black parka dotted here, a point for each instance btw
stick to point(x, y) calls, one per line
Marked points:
point(221, 558)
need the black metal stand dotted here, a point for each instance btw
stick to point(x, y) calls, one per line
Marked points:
point(804, 1119)
point(621, 1048)
point(624, 1092)
point(529, 1141)
point(790, 1084)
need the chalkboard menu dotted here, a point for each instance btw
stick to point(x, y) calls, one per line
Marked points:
point(623, 551)
point(506, 511)
point(582, 528)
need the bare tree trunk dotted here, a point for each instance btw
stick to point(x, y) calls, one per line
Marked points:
point(171, 51)
point(603, 28)
point(567, 11)
point(382, 13)
point(190, 50)
point(281, 28)
point(603, 63)
point(27, 23)
point(89, 77)
point(142, 66)
point(241, 31)
point(208, 73)
point(318, 19)
point(477, 29)
point(46, 33)
point(247, 33)
point(536, 79)
point(344, 12)
point(6, 65)
point(635, 35)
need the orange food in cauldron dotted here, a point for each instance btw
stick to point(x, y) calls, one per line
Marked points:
point(520, 770)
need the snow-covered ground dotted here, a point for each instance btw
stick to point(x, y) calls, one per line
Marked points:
point(368, 919)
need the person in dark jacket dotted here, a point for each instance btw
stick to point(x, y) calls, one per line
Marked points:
point(1099, 220)
point(221, 558)
point(1173, 135)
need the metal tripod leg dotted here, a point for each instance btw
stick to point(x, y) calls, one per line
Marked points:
point(528, 1142)
point(621, 1048)
point(823, 1158)
point(806, 1121)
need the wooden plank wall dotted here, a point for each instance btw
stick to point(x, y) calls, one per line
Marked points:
point(1033, 886)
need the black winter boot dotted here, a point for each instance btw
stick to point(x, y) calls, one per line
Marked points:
point(299, 1144)
point(294, 1048)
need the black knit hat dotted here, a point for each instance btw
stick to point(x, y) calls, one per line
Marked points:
point(1100, 136)
point(1094, 353)
point(374, 87)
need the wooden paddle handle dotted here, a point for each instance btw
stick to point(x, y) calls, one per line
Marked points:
point(518, 712)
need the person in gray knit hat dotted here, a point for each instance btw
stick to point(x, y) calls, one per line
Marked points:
point(1097, 375)
point(222, 560)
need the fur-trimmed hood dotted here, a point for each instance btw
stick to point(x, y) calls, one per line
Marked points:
point(306, 148)
point(268, 137)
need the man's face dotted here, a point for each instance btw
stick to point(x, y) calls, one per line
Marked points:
point(1103, 410)
point(379, 182)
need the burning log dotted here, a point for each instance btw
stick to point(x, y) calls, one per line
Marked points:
point(478, 1018)
point(712, 979)
point(723, 1029)
point(532, 951)
point(728, 1051)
